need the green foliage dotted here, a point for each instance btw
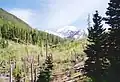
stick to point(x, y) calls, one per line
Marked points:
point(13, 28)
point(113, 40)
point(113, 14)
point(86, 79)
point(49, 62)
point(44, 75)
point(46, 70)
point(94, 65)
point(17, 73)
point(3, 43)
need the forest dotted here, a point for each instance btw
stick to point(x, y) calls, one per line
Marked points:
point(31, 55)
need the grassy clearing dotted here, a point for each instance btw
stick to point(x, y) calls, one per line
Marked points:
point(62, 55)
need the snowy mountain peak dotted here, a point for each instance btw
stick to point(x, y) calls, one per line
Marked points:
point(67, 28)
point(69, 32)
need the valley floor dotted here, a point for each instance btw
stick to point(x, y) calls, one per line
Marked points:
point(65, 57)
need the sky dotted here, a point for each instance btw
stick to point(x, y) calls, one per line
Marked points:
point(55, 14)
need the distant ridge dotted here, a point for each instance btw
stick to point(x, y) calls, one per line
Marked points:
point(15, 29)
point(8, 17)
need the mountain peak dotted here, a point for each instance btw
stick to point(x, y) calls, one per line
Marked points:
point(67, 28)
point(70, 32)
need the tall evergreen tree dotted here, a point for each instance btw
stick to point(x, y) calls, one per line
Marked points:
point(94, 67)
point(113, 40)
point(45, 70)
point(113, 13)
point(4, 30)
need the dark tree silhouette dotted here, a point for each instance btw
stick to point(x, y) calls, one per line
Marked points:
point(45, 70)
point(94, 65)
point(113, 40)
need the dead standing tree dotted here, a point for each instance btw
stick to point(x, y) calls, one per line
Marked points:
point(12, 64)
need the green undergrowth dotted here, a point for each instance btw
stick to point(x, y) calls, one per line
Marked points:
point(62, 54)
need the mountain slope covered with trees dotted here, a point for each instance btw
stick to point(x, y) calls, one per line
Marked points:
point(17, 30)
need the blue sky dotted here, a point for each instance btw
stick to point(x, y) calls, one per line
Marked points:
point(54, 14)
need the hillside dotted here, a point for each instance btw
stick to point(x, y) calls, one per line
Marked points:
point(7, 17)
point(13, 28)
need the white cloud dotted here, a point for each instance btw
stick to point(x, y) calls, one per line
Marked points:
point(65, 12)
point(60, 13)
point(24, 14)
point(66, 28)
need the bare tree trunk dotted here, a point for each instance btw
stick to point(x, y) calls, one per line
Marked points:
point(31, 72)
point(25, 71)
point(38, 60)
point(42, 46)
point(10, 72)
point(35, 74)
point(46, 46)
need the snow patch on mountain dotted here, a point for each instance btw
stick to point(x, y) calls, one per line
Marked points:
point(54, 33)
point(69, 32)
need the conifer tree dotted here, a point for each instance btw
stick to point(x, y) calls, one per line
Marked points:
point(113, 40)
point(25, 35)
point(113, 14)
point(45, 70)
point(4, 30)
point(94, 64)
